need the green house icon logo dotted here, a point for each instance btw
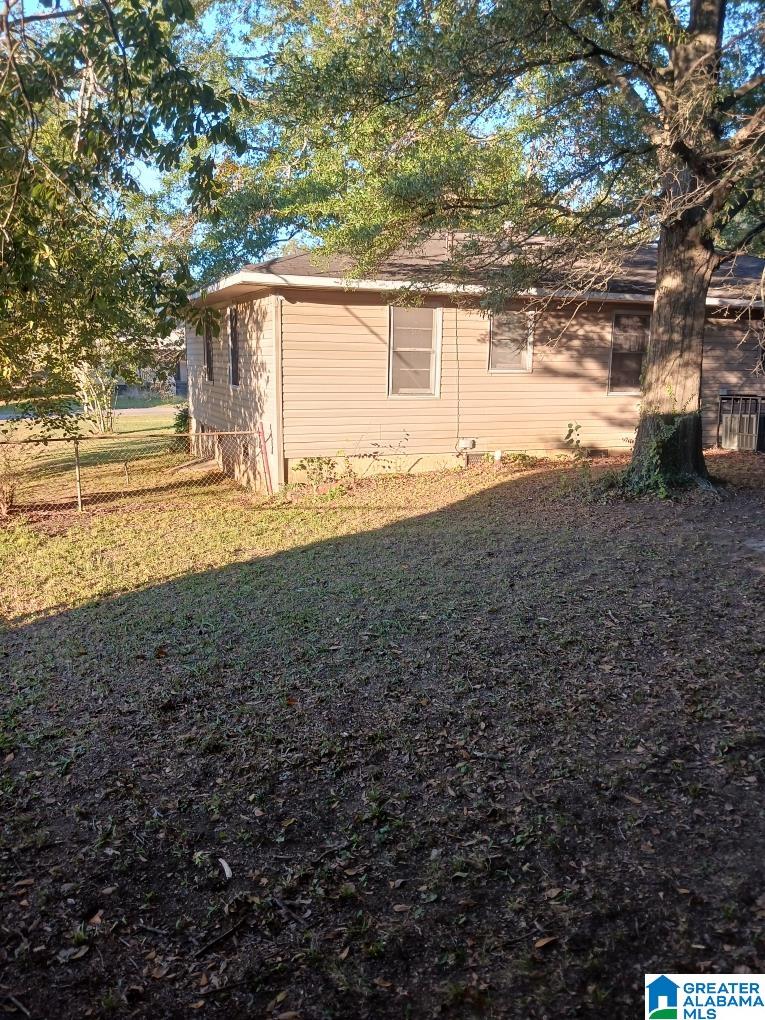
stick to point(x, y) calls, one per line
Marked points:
point(662, 999)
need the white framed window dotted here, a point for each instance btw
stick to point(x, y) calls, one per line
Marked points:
point(629, 343)
point(511, 341)
point(207, 353)
point(414, 351)
point(233, 345)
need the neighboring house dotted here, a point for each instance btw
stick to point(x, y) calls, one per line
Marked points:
point(338, 367)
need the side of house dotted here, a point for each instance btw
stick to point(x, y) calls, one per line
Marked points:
point(733, 368)
point(478, 390)
point(234, 387)
point(347, 373)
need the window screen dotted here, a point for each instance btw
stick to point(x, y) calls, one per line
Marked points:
point(510, 342)
point(208, 353)
point(629, 343)
point(233, 342)
point(413, 350)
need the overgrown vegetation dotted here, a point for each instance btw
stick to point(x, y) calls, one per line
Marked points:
point(182, 427)
point(181, 420)
point(319, 471)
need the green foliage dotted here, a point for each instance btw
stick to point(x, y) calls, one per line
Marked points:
point(319, 471)
point(181, 428)
point(182, 420)
point(104, 306)
point(88, 94)
point(660, 469)
point(653, 475)
point(573, 441)
point(579, 454)
point(43, 414)
point(375, 129)
point(521, 460)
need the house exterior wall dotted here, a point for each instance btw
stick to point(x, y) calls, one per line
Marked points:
point(731, 358)
point(568, 383)
point(335, 382)
point(325, 354)
point(335, 378)
point(219, 406)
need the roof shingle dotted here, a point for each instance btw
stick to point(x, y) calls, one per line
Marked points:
point(741, 278)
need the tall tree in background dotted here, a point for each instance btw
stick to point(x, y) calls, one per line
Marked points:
point(597, 124)
point(90, 92)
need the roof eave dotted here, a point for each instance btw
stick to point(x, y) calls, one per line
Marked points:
point(248, 281)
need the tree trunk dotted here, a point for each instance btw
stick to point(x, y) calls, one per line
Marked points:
point(668, 446)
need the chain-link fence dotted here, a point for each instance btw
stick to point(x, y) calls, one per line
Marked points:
point(127, 470)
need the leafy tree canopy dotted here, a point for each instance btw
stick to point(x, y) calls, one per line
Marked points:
point(592, 123)
point(91, 91)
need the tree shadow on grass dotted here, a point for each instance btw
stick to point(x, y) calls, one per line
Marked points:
point(490, 760)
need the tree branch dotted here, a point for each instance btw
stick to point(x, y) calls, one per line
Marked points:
point(751, 132)
point(602, 54)
point(743, 241)
point(737, 207)
point(29, 19)
point(742, 91)
point(631, 95)
point(663, 8)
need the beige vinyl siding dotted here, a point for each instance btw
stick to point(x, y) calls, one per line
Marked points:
point(568, 383)
point(226, 408)
point(335, 366)
point(335, 379)
point(731, 357)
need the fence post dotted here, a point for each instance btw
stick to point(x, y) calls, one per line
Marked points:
point(77, 474)
point(264, 455)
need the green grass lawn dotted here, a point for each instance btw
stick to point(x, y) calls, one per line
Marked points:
point(150, 417)
point(129, 419)
point(441, 746)
point(147, 401)
point(142, 401)
point(138, 460)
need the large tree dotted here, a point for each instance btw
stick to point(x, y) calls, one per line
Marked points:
point(596, 124)
point(91, 93)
